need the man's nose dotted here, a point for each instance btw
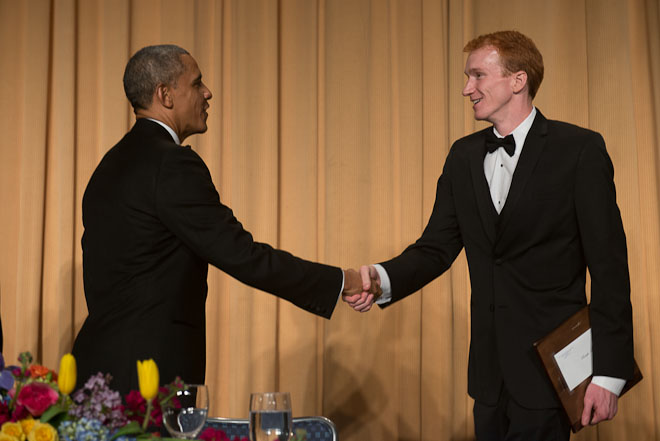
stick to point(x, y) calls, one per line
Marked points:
point(468, 88)
point(207, 93)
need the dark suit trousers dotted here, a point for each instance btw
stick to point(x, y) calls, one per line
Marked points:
point(509, 421)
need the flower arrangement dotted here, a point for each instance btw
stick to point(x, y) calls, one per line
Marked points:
point(212, 434)
point(37, 404)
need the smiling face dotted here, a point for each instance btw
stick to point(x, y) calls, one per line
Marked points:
point(490, 89)
point(190, 100)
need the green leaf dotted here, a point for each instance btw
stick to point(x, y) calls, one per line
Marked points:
point(132, 428)
point(152, 436)
point(51, 413)
point(145, 436)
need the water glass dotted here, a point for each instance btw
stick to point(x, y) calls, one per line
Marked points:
point(270, 416)
point(185, 414)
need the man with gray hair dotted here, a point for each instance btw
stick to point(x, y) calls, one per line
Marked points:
point(154, 221)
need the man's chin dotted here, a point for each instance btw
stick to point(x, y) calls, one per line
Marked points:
point(201, 129)
point(479, 117)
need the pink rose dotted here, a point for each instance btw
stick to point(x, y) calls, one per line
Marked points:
point(37, 397)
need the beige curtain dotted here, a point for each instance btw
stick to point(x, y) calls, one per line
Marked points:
point(328, 129)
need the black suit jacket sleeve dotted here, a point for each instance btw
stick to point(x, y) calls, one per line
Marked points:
point(434, 252)
point(189, 205)
point(604, 247)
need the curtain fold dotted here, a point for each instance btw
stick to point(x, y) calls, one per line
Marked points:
point(328, 129)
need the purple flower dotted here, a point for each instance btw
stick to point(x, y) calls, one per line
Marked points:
point(96, 401)
point(6, 377)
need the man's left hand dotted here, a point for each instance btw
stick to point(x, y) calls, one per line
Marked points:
point(599, 405)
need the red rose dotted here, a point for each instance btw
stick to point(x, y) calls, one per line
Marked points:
point(20, 413)
point(136, 407)
point(211, 434)
point(4, 413)
point(135, 402)
point(37, 397)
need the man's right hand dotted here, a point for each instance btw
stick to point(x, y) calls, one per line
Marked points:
point(599, 405)
point(363, 300)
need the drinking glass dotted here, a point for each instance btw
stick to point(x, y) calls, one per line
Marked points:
point(270, 416)
point(185, 414)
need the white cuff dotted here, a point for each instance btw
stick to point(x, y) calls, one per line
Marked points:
point(343, 281)
point(614, 385)
point(385, 285)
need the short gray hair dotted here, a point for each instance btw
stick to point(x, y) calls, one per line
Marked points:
point(149, 67)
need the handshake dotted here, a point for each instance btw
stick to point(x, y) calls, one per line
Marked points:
point(361, 289)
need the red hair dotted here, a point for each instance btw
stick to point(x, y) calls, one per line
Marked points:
point(517, 53)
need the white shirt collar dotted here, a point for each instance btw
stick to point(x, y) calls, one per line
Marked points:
point(168, 128)
point(520, 132)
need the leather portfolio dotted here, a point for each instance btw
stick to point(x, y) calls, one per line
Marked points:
point(566, 345)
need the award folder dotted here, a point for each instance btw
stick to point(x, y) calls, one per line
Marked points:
point(563, 353)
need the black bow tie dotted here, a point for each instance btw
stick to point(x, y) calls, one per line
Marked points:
point(493, 143)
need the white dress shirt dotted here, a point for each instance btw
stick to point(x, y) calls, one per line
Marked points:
point(169, 129)
point(499, 168)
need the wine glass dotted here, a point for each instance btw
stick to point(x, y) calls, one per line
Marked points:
point(185, 413)
point(270, 416)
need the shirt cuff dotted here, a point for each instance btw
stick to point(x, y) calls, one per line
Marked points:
point(343, 280)
point(614, 385)
point(385, 285)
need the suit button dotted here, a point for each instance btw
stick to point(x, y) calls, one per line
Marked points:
point(492, 307)
point(498, 261)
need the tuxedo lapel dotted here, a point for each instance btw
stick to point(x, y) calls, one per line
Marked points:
point(482, 192)
point(533, 147)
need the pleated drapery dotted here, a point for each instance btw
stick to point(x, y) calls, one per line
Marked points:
point(328, 129)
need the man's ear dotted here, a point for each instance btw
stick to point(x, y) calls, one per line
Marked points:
point(163, 95)
point(519, 81)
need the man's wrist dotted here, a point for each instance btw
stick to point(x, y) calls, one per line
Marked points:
point(612, 384)
point(385, 285)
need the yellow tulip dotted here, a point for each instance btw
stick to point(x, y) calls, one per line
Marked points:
point(67, 376)
point(148, 378)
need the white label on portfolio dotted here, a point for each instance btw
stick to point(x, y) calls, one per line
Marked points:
point(575, 362)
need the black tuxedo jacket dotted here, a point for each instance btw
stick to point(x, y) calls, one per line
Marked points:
point(153, 221)
point(528, 264)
